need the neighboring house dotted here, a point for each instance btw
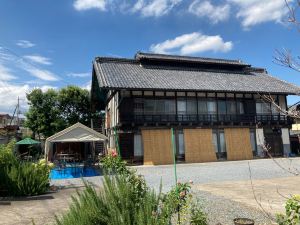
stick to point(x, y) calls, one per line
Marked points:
point(213, 105)
point(9, 128)
point(295, 131)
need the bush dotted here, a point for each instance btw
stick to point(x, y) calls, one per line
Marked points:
point(18, 178)
point(126, 199)
point(114, 205)
point(28, 179)
point(292, 212)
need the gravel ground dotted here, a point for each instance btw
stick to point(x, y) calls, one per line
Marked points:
point(203, 173)
point(224, 211)
point(218, 208)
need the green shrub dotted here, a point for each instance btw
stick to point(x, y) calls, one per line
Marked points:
point(292, 212)
point(114, 205)
point(126, 199)
point(28, 179)
point(113, 164)
point(18, 178)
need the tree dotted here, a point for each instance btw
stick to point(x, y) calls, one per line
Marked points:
point(53, 111)
point(74, 105)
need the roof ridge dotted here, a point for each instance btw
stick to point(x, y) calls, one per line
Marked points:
point(113, 59)
point(140, 55)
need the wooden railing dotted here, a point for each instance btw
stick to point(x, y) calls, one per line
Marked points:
point(205, 118)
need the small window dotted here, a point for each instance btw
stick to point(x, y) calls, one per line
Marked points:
point(159, 93)
point(148, 93)
point(168, 93)
point(201, 94)
point(137, 93)
point(221, 95)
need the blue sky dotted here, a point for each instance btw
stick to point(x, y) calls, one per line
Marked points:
point(52, 43)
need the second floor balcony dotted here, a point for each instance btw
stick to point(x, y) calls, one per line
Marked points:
point(205, 119)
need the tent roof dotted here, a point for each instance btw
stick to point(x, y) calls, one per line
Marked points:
point(28, 141)
point(77, 133)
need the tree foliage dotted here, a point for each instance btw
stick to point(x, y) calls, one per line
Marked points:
point(52, 111)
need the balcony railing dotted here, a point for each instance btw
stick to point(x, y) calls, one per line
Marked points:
point(206, 118)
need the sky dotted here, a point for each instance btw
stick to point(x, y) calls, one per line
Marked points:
point(52, 43)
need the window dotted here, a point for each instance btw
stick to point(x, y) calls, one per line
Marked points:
point(138, 106)
point(222, 144)
point(181, 106)
point(263, 108)
point(221, 107)
point(211, 107)
point(149, 106)
point(253, 139)
point(170, 107)
point(191, 106)
point(231, 107)
point(215, 140)
point(202, 107)
point(180, 143)
point(219, 141)
point(138, 146)
point(240, 107)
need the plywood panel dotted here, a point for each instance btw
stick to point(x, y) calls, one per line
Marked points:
point(199, 145)
point(238, 144)
point(157, 147)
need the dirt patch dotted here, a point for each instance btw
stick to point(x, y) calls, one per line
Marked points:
point(270, 193)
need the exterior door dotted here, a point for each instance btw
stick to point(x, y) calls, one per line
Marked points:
point(274, 141)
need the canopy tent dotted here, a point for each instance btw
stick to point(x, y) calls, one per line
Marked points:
point(75, 133)
point(28, 141)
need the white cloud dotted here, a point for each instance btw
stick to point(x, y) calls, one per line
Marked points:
point(79, 75)
point(5, 73)
point(191, 44)
point(205, 9)
point(25, 44)
point(39, 73)
point(15, 61)
point(87, 86)
point(9, 94)
point(38, 59)
point(155, 8)
point(253, 12)
point(81, 5)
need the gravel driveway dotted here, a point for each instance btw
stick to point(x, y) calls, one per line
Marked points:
point(212, 188)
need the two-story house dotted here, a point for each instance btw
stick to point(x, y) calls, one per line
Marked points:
point(214, 106)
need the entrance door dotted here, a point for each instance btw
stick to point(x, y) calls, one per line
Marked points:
point(274, 141)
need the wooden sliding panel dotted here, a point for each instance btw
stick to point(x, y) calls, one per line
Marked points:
point(238, 144)
point(157, 147)
point(199, 145)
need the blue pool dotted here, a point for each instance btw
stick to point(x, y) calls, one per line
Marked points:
point(73, 172)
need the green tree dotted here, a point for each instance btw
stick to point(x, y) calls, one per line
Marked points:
point(52, 111)
point(74, 105)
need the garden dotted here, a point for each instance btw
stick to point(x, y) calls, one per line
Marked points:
point(124, 198)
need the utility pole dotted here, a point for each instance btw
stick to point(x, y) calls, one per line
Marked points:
point(18, 112)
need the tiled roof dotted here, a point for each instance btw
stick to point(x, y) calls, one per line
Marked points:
point(118, 73)
point(150, 56)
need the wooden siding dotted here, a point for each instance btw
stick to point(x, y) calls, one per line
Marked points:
point(238, 144)
point(157, 147)
point(199, 146)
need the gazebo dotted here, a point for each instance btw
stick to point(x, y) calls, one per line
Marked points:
point(73, 143)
